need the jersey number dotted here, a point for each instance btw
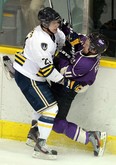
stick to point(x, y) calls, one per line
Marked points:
point(46, 61)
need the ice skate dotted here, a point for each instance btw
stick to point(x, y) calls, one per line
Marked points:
point(98, 140)
point(33, 134)
point(42, 151)
point(8, 67)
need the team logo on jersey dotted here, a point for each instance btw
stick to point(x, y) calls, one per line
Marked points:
point(44, 46)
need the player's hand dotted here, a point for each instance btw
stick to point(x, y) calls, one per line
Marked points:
point(65, 27)
point(73, 85)
point(74, 38)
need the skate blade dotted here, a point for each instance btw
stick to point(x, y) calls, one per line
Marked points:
point(30, 142)
point(9, 76)
point(102, 143)
point(40, 155)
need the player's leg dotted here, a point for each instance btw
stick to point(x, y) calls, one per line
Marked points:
point(45, 124)
point(40, 97)
point(33, 133)
point(78, 134)
point(64, 97)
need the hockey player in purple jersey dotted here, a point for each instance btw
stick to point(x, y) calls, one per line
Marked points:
point(82, 67)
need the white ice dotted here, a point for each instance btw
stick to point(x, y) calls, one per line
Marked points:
point(17, 153)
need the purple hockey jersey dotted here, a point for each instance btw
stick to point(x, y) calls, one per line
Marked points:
point(83, 68)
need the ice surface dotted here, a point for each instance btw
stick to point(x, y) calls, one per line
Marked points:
point(17, 153)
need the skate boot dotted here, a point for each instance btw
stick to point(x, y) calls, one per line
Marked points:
point(33, 134)
point(98, 140)
point(42, 151)
point(8, 67)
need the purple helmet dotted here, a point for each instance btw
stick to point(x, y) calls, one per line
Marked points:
point(46, 15)
point(98, 42)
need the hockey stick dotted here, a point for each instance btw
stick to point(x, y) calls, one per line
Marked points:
point(70, 23)
point(69, 12)
point(51, 4)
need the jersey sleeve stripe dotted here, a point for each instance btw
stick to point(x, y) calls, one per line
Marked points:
point(45, 71)
point(19, 58)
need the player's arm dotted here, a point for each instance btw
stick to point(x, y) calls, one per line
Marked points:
point(48, 70)
point(77, 69)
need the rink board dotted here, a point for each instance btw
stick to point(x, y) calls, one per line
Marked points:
point(18, 131)
point(105, 61)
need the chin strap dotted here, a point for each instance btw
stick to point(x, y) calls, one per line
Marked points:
point(49, 32)
point(47, 28)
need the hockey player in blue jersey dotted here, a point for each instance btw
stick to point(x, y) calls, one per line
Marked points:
point(33, 67)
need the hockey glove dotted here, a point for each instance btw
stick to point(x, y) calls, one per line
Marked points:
point(71, 84)
point(65, 27)
point(71, 35)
